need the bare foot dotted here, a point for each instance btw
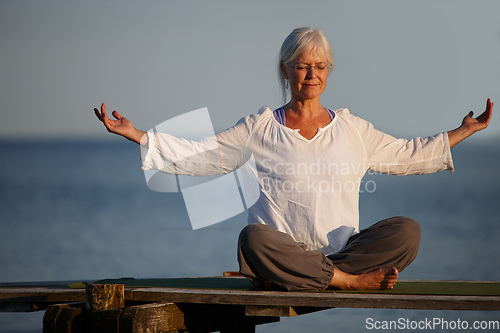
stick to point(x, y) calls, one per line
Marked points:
point(382, 278)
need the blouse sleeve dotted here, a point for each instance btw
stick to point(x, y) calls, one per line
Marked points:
point(219, 154)
point(387, 154)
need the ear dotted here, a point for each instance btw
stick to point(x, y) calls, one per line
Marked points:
point(283, 69)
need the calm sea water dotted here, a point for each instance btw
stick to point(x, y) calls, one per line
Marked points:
point(80, 210)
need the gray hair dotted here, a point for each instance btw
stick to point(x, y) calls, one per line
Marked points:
point(299, 41)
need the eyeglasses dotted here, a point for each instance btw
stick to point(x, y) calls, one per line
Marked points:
point(305, 67)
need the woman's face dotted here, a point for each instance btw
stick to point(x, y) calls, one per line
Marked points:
point(307, 76)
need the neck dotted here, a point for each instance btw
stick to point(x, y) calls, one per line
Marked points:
point(304, 108)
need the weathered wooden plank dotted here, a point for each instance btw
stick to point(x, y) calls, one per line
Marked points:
point(44, 293)
point(311, 299)
point(35, 299)
point(30, 297)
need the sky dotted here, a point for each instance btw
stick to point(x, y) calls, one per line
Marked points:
point(412, 68)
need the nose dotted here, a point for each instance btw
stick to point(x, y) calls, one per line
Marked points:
point(311, 72)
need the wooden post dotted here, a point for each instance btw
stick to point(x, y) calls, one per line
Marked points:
point(70, 320)
point(104, 307)
point(64, 318)
point(102, 297)
point(154, 317)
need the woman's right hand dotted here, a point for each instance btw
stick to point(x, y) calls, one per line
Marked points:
point(121, 126)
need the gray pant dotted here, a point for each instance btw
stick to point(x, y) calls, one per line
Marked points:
point(267, 254)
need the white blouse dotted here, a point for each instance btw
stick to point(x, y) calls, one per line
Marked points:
point(309, 189)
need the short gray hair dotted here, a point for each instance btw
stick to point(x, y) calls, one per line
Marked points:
point(299, 41)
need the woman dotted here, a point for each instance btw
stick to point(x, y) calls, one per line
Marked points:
point(303, 229)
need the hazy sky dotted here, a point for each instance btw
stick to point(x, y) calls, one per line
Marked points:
point(413, 68)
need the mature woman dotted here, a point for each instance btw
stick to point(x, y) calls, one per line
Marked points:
point(303, 229)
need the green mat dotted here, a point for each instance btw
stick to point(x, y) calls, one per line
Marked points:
point(444, 288)
point(189, 283)
point(459, 288)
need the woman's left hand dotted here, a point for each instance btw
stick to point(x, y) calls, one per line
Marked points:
point(471, 125)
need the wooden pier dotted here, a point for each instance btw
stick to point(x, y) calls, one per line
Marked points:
point(231, 305)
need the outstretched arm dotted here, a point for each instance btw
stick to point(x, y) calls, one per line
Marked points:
point(121, 126)
point(471, 125)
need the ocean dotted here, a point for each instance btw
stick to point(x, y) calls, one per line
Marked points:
point(81, 210)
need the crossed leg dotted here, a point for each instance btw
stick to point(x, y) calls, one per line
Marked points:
point(370, 260)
